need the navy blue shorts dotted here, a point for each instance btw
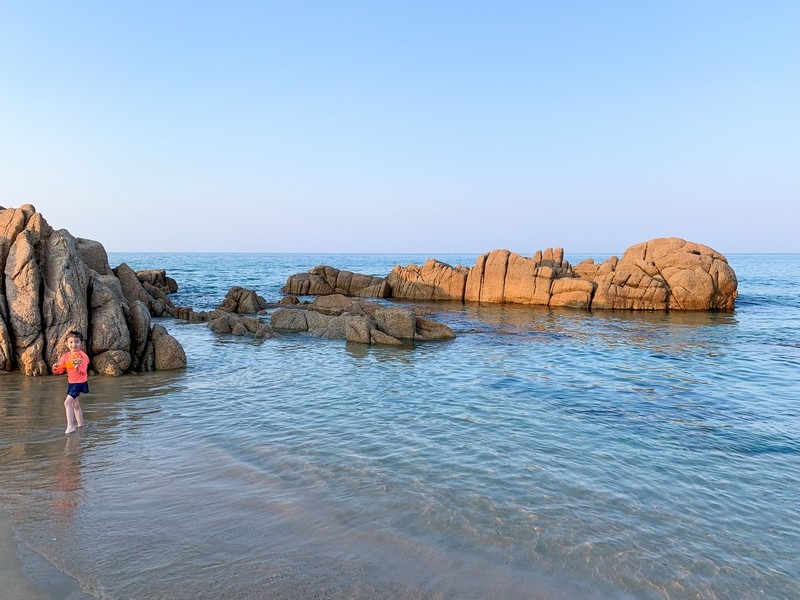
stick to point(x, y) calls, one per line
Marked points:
point(76, 389)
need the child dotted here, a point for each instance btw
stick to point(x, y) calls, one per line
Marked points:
point(76, 364)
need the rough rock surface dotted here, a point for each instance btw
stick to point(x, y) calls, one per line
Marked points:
point(662, 274)
point(242, 301)
point(158, 279)
point(338, 317)
point(95, 256)
point(434, 280)
point(167, 352)
point(221, 321)
point(110, 334)
point(397, 322)
point(666, 273)
point(323, 280)
point(52, 282)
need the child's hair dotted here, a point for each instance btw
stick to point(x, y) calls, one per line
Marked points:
point(75, 334)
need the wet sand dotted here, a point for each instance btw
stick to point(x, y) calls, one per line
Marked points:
point(24, 575)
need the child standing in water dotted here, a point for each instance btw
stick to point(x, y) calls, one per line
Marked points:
point(76, 363)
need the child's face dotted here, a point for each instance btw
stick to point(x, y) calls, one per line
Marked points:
point(74, 343)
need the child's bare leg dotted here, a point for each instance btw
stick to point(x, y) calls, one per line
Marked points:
point(70, 410)
point(76, 407)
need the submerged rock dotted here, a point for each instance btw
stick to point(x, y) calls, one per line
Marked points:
point(339, 317)
point(225, 322)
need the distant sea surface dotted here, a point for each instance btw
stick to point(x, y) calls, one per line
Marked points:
point(542, 454)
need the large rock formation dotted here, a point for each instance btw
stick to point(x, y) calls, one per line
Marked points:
point(52, 282)
point(662, 274)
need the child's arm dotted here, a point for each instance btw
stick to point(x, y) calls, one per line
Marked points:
point(59, 367)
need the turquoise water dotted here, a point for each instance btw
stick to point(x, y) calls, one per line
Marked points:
point(543, 453)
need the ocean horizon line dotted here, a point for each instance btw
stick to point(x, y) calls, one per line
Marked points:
point(427, 254)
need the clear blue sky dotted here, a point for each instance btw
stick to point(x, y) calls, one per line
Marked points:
point(406, 126)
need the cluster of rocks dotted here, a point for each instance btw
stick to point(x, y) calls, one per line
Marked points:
point(662, 274)
point(52, 282)
point(235, 315)
point(333, 316)
point(336, 316)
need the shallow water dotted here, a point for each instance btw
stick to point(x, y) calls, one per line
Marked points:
point(541, 454)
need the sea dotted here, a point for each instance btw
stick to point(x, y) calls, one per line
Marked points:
point(542, 454)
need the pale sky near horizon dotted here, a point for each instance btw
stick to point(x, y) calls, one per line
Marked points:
point(411, 126)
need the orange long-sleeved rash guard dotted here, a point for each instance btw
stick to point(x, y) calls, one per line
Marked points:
point(74, 375)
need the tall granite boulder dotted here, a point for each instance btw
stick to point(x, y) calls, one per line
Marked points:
point(12, 223)
point(110, 332)
point(24, 283)
point(65, 291)
point(52, 282)
point(140, 326)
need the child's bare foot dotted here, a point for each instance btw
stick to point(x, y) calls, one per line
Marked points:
point(69, 430)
